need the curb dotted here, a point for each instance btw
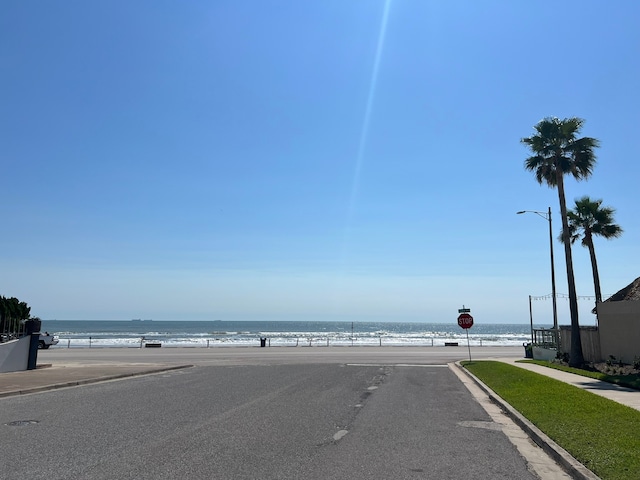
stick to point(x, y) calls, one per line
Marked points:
point(89, 381)
point(574, 468)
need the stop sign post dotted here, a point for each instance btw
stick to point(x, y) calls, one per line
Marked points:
point(465, 320)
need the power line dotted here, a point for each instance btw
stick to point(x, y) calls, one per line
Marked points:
point(564, 295)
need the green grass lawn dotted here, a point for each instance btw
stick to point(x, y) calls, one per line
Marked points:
point(601, 434)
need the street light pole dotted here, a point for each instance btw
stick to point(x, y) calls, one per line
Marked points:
point(553, 276)
point(547, 216)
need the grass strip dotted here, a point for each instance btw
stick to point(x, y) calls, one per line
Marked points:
point(601, 434)
point(629, 381)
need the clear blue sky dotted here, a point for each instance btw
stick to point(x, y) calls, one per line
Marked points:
point(286, 160)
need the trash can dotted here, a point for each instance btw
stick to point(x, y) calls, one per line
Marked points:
point(32, 325)
point(263, 342)
point(528, 350)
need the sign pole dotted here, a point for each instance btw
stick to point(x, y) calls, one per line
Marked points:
point(465, 320)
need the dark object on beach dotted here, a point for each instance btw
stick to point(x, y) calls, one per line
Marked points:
point(152, 345)
point(263, 342)
point(450, 344)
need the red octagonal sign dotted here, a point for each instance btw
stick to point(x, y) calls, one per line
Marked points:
point(465, 320)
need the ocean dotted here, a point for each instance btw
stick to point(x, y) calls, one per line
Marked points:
point(219, 333)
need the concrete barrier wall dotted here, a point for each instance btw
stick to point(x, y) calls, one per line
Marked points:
point(14, 355)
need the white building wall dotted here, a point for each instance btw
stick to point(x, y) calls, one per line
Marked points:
point(619, 326)
point(14, 355)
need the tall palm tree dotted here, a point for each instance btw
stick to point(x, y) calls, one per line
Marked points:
point(557, 151)
point(589, 218)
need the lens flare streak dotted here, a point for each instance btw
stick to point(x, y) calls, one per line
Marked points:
point(364, 133)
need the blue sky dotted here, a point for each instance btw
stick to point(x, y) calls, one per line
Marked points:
point(286, 160)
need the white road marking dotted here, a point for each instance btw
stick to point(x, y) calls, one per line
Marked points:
point(339, 434)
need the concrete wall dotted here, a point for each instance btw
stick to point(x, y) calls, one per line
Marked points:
point(14, 355)
point(619, 325)
point(546, 354)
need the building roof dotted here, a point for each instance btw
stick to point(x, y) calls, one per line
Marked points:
point(630, 292)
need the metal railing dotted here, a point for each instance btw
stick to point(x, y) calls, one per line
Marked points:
point(546, 337)
point(275, 341)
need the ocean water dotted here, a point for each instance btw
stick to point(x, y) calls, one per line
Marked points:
point(218, 333)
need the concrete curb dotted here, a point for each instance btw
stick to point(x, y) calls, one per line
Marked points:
point(574, 468)
point(88, 381)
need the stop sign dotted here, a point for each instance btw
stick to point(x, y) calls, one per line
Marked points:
point(465, 320)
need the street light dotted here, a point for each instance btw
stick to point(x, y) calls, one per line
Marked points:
point(547, 216)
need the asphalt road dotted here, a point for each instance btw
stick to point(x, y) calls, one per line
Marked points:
point(267, 421)
point(273, 355)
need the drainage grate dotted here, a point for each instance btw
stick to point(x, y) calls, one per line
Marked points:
point(22, 423)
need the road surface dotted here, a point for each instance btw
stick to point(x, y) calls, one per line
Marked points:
point(274, 420)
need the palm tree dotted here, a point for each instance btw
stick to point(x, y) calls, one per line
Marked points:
point(558, 152)
point(12, 311)
point(589, 218)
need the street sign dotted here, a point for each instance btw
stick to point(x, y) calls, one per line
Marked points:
point(464, 310)
point(465, 320)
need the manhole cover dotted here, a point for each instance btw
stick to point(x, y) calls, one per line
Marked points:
point(21, 423)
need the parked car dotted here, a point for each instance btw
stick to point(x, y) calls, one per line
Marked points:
point(46, 340)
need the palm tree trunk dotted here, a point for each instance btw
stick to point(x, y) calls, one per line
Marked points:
point(594, 268)
point(576, 357)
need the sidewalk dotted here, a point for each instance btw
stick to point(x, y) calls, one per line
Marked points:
point(48, 377)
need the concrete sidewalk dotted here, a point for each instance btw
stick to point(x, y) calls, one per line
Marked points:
point(49, 377)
